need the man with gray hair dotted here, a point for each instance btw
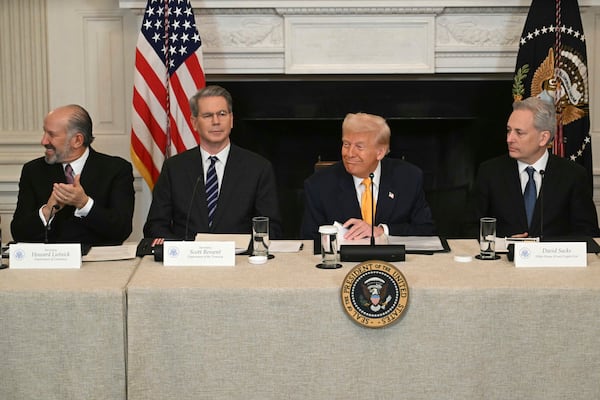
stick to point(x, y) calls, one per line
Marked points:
point(73, 194)
point(529, 186)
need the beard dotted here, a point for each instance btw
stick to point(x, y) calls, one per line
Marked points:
point(56, 156)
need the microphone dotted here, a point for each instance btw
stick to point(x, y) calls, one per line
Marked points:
point(360, 253)
point(189, 212)
point(371, 176)
point(53, 211)
point(542, 172)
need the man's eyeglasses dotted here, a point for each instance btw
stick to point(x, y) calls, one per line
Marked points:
point(220, 115)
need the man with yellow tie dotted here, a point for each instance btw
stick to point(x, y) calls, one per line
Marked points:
point(342, 192)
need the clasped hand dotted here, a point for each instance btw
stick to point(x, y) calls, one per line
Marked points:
point(359, 229)
point(66, 194)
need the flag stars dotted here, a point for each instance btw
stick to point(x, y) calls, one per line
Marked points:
point(157, 24)
point(148, 24)
point(196, 37)
point(188, 12)
point(185, 37)
point(551, 29)
point(156, 37)
point(182, 50)
point(187, 25)
point(150, 11)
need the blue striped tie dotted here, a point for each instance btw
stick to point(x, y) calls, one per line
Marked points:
point(212, 189)
point(530, 195)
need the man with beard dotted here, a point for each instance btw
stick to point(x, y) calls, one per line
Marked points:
point(73, 194)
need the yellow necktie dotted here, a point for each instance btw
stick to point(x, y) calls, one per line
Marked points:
point(366, 207)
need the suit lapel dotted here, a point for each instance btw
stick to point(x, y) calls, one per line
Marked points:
point(512, 183)
point(347, 198)
point(386, 196)
point(231, 176)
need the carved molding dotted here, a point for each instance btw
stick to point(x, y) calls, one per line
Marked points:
point(359, 10)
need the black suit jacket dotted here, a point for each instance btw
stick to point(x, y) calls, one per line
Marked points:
point(330, 196)
point(179, 197)
point(565, 197)
point(106, 179)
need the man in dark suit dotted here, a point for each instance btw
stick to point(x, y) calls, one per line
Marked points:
point(243, 182)
point(342, 192)
point(92, 203)
point(561, 195)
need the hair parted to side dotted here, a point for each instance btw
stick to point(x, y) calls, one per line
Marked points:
point(544, 114)
point(210, 91)
point(370, 123)
point(80, 121)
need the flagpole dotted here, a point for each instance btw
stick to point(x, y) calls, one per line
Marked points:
point(168, 82)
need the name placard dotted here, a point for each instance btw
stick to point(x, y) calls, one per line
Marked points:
point(551, 254)
point(199, 254)
point(45, 256)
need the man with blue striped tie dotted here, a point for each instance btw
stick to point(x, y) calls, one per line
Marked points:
point(216, 187)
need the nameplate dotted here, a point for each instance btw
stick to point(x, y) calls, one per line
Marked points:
point(551, 254)
point(45, 256)
point(199, 254)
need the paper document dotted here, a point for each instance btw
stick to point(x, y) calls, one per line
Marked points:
point(241, 240)
point(111, 253)
point(418, 243)
point(285, 246)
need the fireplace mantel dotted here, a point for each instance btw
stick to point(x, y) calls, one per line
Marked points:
point(357, 37)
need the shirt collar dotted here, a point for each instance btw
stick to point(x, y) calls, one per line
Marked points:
point(222, 155)
point(78, 164)
point(376, 177)
point(539, 165)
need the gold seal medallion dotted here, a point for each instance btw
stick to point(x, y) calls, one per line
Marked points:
point(374, 294)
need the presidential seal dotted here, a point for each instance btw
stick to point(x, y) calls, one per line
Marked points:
point(374, 294)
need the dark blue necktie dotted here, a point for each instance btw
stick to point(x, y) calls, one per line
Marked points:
point(212, 189)
point(530, 195)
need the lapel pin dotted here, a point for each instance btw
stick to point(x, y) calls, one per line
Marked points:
point(390, 195)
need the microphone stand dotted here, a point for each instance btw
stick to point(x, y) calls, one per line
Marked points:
point(542, 172)
point(371, 176)
point(49, 224)
point(187, 218)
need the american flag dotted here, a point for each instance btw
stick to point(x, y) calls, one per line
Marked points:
point(168, 71)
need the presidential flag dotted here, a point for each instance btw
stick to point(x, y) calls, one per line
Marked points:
point(168, 71)
point(552, 64)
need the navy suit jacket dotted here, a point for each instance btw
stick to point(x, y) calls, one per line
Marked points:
point(330, 196)
point(565, 199)
point(106, 179)
point(179, 207)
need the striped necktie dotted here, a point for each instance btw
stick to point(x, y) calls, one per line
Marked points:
point(530, 195)
point(366, 205)
point(212, 189)
point(69, 173)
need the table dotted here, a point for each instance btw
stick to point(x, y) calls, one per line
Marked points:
point(63, 332)
point(478, 330)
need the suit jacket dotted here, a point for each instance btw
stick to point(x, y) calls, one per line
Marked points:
point(565, 199)
point(106, 179)
point(330, 196)
point(179, 209)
